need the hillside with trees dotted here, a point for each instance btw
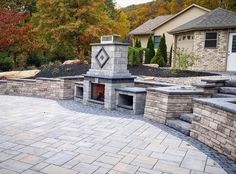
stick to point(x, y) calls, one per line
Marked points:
point(36, 32)
point(138, 14)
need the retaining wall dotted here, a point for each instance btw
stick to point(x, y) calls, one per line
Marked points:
point(52, 88)
point(3, 86)
point(215, 126)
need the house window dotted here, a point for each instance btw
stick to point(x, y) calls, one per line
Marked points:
point(234, 45)
point(211, 40)
point(157, 40)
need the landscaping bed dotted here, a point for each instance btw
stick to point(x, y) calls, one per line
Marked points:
point(142, 70)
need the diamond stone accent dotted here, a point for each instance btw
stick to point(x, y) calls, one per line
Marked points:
point(102, 57)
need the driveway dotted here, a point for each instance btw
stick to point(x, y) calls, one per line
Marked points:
point(65, 137)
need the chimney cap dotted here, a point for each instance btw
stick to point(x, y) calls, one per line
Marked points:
point(110, 38)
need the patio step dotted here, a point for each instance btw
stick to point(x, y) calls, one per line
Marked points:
point(228, 90)
point(231, 83)
point(179, 125)
point(221, 95)
point(187, 117)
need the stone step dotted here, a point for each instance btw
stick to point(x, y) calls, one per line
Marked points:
point(228, 90)
point(231, 83)
point(188, 117)
point(214, 80)
point(221, 95)
point(179, 125)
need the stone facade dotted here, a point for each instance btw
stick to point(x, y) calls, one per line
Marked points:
point(216, 128)
point(166, 103)
point(214, 59)
point(56, 88)
point(211, 58)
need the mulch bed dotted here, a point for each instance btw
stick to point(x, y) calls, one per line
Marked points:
point(75, 69)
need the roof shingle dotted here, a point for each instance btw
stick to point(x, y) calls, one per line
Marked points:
point(151, 24)
point(215, 19)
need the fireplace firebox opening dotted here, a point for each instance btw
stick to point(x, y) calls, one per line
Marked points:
point(125, 101)
point(97, 92)
point(79, 91)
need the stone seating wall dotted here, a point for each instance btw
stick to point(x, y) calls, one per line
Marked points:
point(52, 88)
point(215, 125)
point(169, 102)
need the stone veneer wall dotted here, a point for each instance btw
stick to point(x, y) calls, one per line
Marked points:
point(216, 128)
point(3, 86)
point(161, 106)
point(52, 88)
point(211, 58)
point(207, 58)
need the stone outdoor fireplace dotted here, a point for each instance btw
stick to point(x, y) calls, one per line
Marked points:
point(108, 71)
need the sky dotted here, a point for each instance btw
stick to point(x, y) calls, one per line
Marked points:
point(125, 3)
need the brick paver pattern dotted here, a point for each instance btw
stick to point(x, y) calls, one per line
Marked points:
point(43, 136)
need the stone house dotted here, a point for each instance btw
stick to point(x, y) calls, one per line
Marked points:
point(162, 24)
point(212, 38)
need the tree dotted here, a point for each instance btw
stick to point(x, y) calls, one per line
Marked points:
point(137, 43)
point(19, 5)
point(14, 37)
point(163, 48)
point(150, 52)
point(170, 56)
point(135, 55)
point(67, 27)
point(121, 25)
point(158, 59)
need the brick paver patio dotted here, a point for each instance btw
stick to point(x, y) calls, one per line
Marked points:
point(46, 136)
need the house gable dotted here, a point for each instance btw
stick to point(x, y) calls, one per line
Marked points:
point(190, 13)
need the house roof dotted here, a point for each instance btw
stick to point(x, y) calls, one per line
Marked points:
point(215, 19)
point(147, 27)
point(152, 24)
point(183, 11)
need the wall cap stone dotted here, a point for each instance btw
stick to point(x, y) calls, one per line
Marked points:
point(205, 85)
point(178, 90)
point(161, 84)
point(23, 80)
point(3, 81)
point(215, 80)
point(48, 79)
point(71, 77)
point(225, 104)
point(132, 90)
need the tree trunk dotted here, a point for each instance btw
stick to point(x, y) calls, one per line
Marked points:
point(14, 61)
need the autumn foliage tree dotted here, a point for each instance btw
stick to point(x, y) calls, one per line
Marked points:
point(14, 33)
point(67, 27)
point(138, 14)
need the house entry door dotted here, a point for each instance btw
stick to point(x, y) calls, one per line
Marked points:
point(231, 62)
